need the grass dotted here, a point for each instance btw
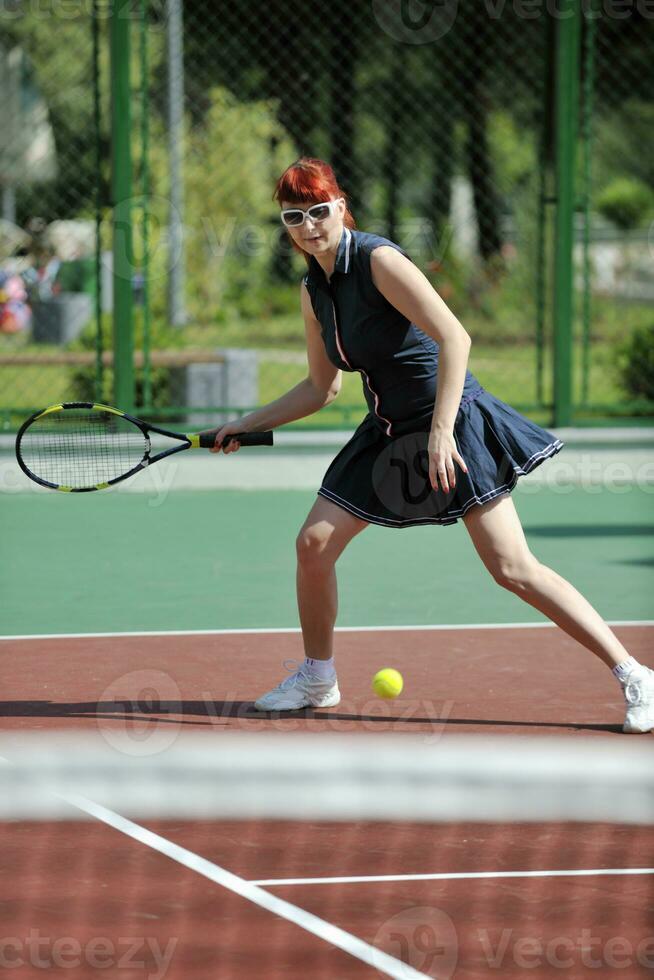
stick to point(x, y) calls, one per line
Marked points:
point(505, 365)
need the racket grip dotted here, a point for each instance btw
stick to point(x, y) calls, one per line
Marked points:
point(207, 439)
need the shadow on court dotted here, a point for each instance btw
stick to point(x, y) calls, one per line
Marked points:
point(591, 530)
point(192, 713)
point(458, 681)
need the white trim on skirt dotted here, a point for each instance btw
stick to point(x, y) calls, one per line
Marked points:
point(452, 516)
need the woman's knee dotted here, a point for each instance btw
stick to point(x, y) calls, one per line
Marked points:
point(325, 533)
point(516, 574)
point(315, 546)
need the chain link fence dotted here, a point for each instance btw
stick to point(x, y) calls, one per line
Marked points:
point(49, 182)
point(614, 255)
point(438, 120)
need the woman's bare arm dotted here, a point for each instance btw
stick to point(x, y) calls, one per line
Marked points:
point(318, 389)
point(411, 293)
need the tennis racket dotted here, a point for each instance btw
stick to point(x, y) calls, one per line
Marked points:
point(79, 446)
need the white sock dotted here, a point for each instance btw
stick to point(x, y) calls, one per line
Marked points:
point(627, 667)
point(324, 669)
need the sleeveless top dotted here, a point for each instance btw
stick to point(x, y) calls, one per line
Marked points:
point(363, 332)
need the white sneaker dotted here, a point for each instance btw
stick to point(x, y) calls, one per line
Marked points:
point(639, 695)
point(300, 690)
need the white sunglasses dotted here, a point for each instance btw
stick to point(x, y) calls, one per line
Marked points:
point(294, 217)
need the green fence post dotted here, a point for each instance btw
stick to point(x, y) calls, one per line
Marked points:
point(145, 204)
point(587, 146)
point(121, 185)
point(97, 128)
point(568, 23)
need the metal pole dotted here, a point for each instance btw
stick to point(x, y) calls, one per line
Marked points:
point(567, 118)
point(544, 119)
point(145, 188)
point(121, 186)
point(176, 273)
point(587, 127)
point(98, 201)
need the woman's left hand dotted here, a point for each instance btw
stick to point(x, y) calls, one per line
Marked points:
point(443, 454)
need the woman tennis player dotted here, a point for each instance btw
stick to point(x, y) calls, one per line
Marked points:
point(426, 452)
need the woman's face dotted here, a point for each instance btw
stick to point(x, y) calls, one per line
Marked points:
point(316, 237)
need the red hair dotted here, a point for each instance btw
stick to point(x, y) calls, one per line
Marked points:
point(310, 181)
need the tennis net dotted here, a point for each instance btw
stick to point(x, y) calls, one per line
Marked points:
point(276, 856)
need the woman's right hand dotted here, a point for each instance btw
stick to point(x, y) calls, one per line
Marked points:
point(224, 444)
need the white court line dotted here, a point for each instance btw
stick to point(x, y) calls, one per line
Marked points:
point(453, 876)
point(296, 629)
point(388, 965)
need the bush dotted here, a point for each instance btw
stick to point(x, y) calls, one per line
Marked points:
point(635, 363)
point(627, 202)
point(232, 223)
point(81, 383)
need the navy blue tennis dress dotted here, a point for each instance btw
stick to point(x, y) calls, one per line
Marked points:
point(382, 474)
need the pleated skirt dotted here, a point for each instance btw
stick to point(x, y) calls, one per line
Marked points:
point(385, 479)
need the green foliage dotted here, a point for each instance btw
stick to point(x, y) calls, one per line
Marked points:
point(496, 301)
point(624, 142)
point(82, 380)
point(82, 386)
point(232, 227)
point(627, 202)
point(635, 363)
point(64, 83)
point(237, 91)
point(514, 156)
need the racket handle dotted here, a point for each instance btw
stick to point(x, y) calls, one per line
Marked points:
point(208, 439)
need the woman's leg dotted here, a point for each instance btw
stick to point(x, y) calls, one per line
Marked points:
point(497, 535)
point(322, 538)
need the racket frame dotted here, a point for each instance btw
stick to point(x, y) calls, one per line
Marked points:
point(192, 441)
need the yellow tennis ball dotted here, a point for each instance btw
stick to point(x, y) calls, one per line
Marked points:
point(387, 683)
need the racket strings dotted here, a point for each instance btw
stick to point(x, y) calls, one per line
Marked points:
point(81, 448)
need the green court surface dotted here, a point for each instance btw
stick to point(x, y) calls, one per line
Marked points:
point(213, 560)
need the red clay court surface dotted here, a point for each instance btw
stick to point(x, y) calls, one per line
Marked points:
point(526, 681)
point(159, 919)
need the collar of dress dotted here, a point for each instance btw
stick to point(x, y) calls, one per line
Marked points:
point(343, 256)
